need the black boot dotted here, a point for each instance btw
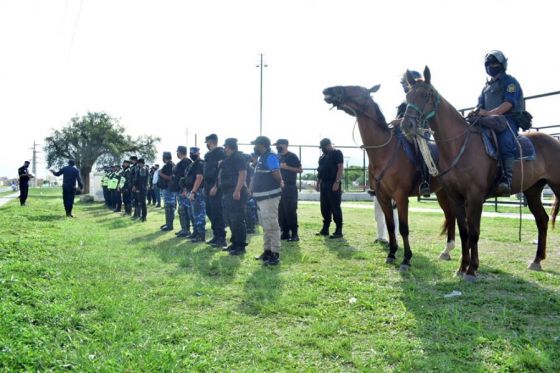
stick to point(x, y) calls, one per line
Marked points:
point(425, 189)
point(212, 241)
point(221, 243)
point(504, 188)
point(295, 236)
point(169, 216)
point(338, 232)
point(264, 256)
point(285, 235)
point(325, 230)
point(200, 237)
point(272, 260)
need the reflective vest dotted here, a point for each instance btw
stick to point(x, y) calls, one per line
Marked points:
point(264, 184)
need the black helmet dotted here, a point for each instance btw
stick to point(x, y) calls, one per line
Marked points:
point(495, 56)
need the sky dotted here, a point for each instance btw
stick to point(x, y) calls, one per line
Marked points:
point(165, 68)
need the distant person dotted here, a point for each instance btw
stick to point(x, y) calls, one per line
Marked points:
point(214, 210)
point(169, 197)
point(192, 188)
point(184, 203)
point(382, 234)
point(157, 191)
point(140, 187)
point(24, 177)
point(329, 184)
point(71, 176)
point(251, 211)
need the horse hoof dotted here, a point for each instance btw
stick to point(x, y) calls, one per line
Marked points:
point(404, 268)
point(469, 278)
point(535, 266)
point(444, 256)
point(390, 261)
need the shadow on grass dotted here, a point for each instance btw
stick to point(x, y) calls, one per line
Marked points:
point(500, 319)
point(46, 217)
point(341, 248)
point(262, 290)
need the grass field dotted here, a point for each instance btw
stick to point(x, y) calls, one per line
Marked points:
point(102, 293)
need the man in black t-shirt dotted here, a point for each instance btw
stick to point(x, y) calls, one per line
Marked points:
point(140, 187)
point(192, 188)
point(169, 197)
point(24, 177)
point(231, 181)
point(213, 196)
point(329, 177)
point(290, 166)
point(179, 171)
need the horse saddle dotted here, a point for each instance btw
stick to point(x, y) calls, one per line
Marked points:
point(490, 126)
point(411, 152)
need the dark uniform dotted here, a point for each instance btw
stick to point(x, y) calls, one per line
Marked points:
point(151, 196)
point(23, 173)
point(169, 197)
point(330, 201)
point(197, 206)
point(287, 210)
point(251, 214)
point(104, 185)
point(234, 210)
point(214, 208)
point(71, 176)
point(179, 171)
point(503, 88)
point(126, 188)
point(141, 188)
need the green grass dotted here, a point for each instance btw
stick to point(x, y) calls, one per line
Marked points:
point(102, 293)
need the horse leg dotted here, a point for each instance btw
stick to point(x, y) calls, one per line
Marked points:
point(474, 214)
point(387, 207)
point(463, 233)
point(533, 196)
point(447, 206)
point(402, 208)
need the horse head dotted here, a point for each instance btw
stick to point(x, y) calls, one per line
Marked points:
point(353, 100)
point(422, 104)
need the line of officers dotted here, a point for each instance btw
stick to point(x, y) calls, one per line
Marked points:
point(230, 187)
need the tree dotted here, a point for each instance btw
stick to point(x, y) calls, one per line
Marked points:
point(85, 139)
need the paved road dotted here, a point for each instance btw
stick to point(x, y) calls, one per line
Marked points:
point(8, 198)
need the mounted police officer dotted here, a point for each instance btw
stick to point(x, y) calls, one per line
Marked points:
point(179, 171)
point(213, 194)
point(502, 95)
point(169, 197)
point(232, 181)
point(192, 188)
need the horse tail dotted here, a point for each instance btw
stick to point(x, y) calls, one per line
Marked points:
point(555, 208)
point(444, 227)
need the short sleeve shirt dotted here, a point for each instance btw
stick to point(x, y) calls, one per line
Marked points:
point(291, 160)
point(328, 165)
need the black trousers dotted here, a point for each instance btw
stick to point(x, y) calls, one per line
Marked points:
point(234, 214)
point(127, 200)
point(215, 212)
point(287, 210)
point(330, 203)
point(141, 202)
point(116, 200)
point(150, 195)
point(106, 195)
point(68, 199)
point(23, 193)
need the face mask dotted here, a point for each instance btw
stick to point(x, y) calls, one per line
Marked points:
point(194, 157)
point(280, 149)
point(494, 70)
point(257, 151)
point(325, 150)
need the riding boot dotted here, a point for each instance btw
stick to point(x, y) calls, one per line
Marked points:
point(325, 230)
point(504, 188)
point(338, 232)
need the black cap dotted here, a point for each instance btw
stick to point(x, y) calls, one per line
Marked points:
point(194, 149)
point(325, 142)
point(230, 142)
point(133, 158)
point(281, 142)
point(26, 162)
point(167, 155)
point(71, 162)
point(261, 140)
point(182, 149)
point(141, 160)
point(126, 161)
point(211, 137)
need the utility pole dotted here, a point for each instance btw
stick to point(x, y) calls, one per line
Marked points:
point(34, 163)
point(261, 66)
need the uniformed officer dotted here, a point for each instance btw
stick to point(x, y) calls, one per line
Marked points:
point(251, 214)
point(266, 188)
point(135, 202)
point(126, 188)
point(179, 171)
point(290, 166)
point(104, 183)
point(151, 196)
point(502, 95)
point(24, 177)
point(192, 188)
point(329, 184)
point(231, 180)
point(157, 195)
point(71, 176)
point(117, 192)
point(169, 197)
point(112, 186)
point(213, 194)
point(140, 187)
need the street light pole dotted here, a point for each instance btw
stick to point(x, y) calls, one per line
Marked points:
point(261, 66)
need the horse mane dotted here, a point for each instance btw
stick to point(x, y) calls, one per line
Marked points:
point(381, 118)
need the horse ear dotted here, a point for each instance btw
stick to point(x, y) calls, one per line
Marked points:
point(375, 88)
point(427, 75)
point(410, 78)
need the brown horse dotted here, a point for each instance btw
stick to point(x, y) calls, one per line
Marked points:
point(469, 175)
point(391, 173)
